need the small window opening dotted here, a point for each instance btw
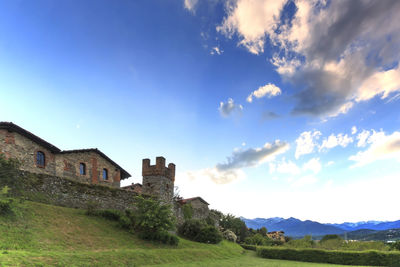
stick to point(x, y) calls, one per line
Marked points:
point(40, 159)
point(82, 169)
point(105, 174)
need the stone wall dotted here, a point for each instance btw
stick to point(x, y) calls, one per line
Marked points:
point(68, 163)
point(14, 145)
point(64, 164)
point(200, 209)
point(70, 193)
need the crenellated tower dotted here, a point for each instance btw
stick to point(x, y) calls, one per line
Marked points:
point(158, 180)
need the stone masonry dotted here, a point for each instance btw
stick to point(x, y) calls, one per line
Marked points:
point(158, 180)
point(16, 142)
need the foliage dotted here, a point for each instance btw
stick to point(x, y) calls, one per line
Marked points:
point(330, 237)
point(236, 225)
point(395, 245)
point(6, 203)
point(187, 211)
point(229, 235)
point(151, 219)
point(152, 215)
point(263, 231)
point(9, 173)
point(162, 236)
point(370, 258)
point(305, 242)
point(200, 231)
point(258, 240)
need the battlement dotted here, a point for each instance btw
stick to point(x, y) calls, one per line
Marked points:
point(159, 169)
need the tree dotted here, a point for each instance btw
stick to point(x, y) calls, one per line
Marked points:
point(151, 215)
point(236, 225)
point(263, 231)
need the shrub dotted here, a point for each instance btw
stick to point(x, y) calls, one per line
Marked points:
point(9, 173)
point(199, 231)
point(374, 258)
point(91, 207)
point(230, 236)
point(162, 236)
point(330, 237)
point(152, 216)
point(259, 240)
point(395, 245)
point(191, 228)
point(6, 203)
point(187, 211)
point(249, 247)
point(209, 234)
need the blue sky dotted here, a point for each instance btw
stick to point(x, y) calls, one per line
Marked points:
point(268, 108)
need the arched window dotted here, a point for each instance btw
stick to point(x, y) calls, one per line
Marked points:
point(105, 174)
point(40, 159)
point(82, 168)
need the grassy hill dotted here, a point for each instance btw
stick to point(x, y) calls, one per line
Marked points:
point(41, 235)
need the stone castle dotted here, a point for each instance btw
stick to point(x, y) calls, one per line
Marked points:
point(93, 167)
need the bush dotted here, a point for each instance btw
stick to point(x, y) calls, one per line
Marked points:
point(199, 231)
point(152, 216)
point(163, 237)
point(9, 174)
point(230, 236)
point(209, 234)
point(374, 258)
point(6, 203)
point(249, 247)
point(259, 240)
point(395, 245)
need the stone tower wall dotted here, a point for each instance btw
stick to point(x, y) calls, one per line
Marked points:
point(158, 180)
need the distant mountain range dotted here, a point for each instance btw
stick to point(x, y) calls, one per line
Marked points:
point(296, 228)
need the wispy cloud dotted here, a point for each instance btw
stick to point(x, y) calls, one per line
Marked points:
point(269, 90)
point(190, 5)
point(232, 169)
point(381, 147)
point(229, 107)
point(335, 140)
point(269, 115)
point(216, 51)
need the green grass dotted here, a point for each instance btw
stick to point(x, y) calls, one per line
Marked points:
point(45, 235)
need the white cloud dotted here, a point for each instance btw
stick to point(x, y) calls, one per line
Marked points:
point(353, 130)
point(306, 143)
point(217, 176)
point(284, 167)
point(382, 147)
point(190, 4)
point(253, 156)
point(330, 163)
point(231, 170)
point(362, 138)
point(227, 108)
point(268, 90)
point(336, 140)
point(379, 83)
point(313, 165)
point(331, 64)
point(304, 181)
point(216, 51)
point(252, 20)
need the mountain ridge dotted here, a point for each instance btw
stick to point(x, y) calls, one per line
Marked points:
point(295, 227)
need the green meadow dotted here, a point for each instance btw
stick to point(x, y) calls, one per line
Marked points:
point(44, 235)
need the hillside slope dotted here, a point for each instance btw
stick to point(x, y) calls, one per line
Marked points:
point(45, 234)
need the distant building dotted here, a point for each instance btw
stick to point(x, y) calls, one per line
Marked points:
point(39, 156)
